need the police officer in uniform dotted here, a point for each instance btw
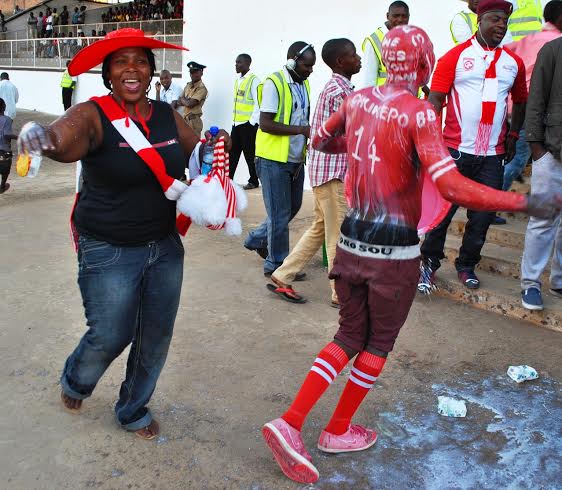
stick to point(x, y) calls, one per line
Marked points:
point(194, 96)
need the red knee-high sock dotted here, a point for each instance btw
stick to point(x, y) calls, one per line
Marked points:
point(364, 373)
point(329, 363)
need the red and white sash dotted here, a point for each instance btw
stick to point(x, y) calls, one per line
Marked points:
point(173, 189)
point(120, 120)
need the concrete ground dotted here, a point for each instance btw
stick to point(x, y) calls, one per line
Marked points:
point(238, 356)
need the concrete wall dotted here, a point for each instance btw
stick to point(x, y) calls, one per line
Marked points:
point(46, 95)
point(7, 6)
point(93, 14)
point(215, 40)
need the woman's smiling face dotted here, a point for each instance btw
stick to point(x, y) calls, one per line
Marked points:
point(130, 73)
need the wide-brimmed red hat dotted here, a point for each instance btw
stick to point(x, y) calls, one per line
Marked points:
point(95, 53)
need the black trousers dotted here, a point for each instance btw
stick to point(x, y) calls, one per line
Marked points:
point(67, 97)
point(484, 170)
point(243, 139)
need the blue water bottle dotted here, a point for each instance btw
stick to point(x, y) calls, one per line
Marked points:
point(208, 150)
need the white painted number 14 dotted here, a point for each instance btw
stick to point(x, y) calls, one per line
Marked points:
point(372, 149)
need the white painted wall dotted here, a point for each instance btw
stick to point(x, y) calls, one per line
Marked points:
point(40, 90)
point(265, 32)
point(216, 37)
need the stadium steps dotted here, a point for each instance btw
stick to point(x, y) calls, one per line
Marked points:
point(499, 272)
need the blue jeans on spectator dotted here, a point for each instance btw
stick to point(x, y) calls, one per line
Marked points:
point(514, 168)
point(484, 170)
point(282, 185)
point(130, 295)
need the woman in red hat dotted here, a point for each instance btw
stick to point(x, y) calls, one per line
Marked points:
point(133, 152)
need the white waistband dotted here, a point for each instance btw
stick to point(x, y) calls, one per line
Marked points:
point(387, 252)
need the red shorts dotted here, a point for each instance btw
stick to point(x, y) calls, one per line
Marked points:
point(375, 297)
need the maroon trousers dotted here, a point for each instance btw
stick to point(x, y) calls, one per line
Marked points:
point(375, 296)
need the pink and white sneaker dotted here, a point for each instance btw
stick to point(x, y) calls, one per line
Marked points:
point(288, 449)
point(357, 438)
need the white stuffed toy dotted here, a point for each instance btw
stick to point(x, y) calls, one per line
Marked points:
point(213, 200)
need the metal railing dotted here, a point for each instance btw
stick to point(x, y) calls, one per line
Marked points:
point(155, 27)
point(53, 53)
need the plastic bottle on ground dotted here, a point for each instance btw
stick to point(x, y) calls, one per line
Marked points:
point(522, 373)
point(449, 407)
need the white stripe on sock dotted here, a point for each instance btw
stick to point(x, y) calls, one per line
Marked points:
point(363, 375)
point(327, 365)
point(359, 382)
point(322, 373)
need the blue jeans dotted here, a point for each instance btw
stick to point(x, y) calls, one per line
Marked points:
point(130, 295)
point(514, 168)
point(282, 194)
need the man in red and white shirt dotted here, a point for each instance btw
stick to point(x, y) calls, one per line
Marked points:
point(476, 77)
point(327, 174)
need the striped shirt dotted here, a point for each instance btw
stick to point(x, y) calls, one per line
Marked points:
point(324, 167)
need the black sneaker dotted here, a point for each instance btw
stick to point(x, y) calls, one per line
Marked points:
point(469, 279)
point(262, 252)
point(426, 282)
point(249, 186)
point(498, 220)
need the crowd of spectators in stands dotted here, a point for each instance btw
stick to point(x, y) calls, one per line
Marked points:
point(62, 33)
point(45, 25)
point(145, 10)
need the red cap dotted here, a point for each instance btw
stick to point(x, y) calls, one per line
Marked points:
point(485, 6)
point(95, 53)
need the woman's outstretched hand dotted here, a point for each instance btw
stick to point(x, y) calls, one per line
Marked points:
point(34, 139)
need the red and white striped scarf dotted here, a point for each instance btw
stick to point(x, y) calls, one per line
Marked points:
point(489, 100)
point(221, 172)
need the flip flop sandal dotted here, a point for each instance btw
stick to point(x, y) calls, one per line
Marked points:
point(299, 276)
point(334, 304)
point(152, 434)
point(66, 407)
point(285, 294)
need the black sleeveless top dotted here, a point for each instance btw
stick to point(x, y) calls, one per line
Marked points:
point(121, 201)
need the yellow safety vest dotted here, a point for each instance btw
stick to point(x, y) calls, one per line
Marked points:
point(272, 146)
point(471, 19)
point(376, 41)
point(527, 19)
point(66, 81)
point(243, 100)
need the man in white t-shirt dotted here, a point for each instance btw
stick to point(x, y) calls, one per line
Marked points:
point(167, 91)
point(49, 26)
point(9, 93)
